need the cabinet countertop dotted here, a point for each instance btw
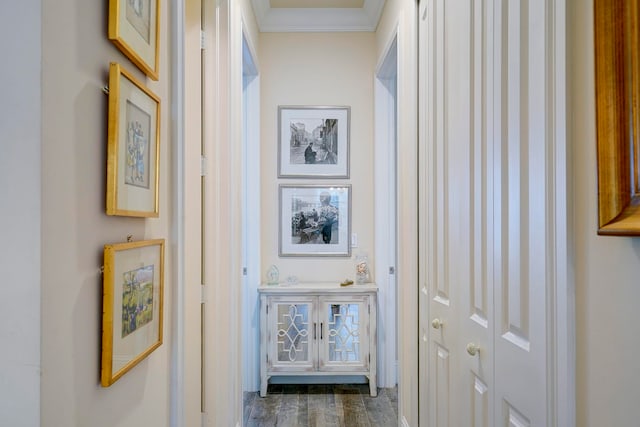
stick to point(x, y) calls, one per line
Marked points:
point(314, 287)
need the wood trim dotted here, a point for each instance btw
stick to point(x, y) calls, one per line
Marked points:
point(617, 90)
point(632, 34)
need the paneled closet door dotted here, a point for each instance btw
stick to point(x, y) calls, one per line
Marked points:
point(484, 136)
point(524, 191)
point(458, 286)
point(473, 178)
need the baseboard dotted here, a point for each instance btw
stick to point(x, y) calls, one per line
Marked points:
point(328, 379)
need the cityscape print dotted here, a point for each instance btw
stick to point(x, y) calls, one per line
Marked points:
point(313, 141)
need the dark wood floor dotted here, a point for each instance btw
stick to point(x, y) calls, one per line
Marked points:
point(333, 405)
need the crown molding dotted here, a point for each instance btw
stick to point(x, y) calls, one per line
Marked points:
point(317, 20)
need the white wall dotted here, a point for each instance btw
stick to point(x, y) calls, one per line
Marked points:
point(318, 69)
point(20, 192)
point(607, 269)
point(76, 56)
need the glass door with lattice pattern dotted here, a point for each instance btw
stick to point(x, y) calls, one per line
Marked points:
point(343, 333)
point(294, 330)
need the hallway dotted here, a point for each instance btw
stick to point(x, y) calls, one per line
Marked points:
point(348, 405)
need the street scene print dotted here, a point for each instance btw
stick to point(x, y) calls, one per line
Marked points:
point(315, 219)
point(137, 299)
point(139, 16)
point(314, 141)
point(137, 155)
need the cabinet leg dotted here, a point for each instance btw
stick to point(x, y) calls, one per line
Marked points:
point(373, 387)
point(263, 386)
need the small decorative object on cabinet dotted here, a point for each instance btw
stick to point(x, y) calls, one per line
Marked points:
point(318, 329)
point(273, 275)
point(362, 269)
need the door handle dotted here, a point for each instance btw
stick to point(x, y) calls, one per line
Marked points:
point(320, 330)
point(473, 349)
point(314, 330)
point(437, 323)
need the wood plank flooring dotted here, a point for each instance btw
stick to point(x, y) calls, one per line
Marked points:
point(319, 405)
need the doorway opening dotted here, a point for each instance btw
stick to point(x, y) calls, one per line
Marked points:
point(250, 221)
point(385, 148)
point(385, 204)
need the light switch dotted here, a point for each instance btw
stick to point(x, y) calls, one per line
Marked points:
point(354, 240)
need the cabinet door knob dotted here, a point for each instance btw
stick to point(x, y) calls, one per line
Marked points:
point(473, 349)
point(437, 323)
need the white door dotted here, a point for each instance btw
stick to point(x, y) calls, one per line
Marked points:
point(457, 292)
point(490, 216)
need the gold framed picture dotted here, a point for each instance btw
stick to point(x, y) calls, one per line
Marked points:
point(133, 291)
point(617, 40)
point(133, 153)
point(134, 27)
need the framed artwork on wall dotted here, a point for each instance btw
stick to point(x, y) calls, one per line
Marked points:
point(133, 152)
point(132, 305)
point(315, 220)
point(134, 27)
point(313, 142)
point(617, 41)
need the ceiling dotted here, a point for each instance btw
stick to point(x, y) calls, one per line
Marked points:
point(317, 15)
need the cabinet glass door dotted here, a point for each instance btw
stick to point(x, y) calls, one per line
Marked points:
point(344, 335)
point(292, 334)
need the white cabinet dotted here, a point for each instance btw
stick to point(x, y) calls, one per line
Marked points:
point(318, 329)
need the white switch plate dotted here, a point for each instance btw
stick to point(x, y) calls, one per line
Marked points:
point(354, 240)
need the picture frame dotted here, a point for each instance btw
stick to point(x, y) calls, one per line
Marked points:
point(313, 141)
point(617, 72)
point(133, 305)
point(315, 220)
point(134, 27)
point(133, 152)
